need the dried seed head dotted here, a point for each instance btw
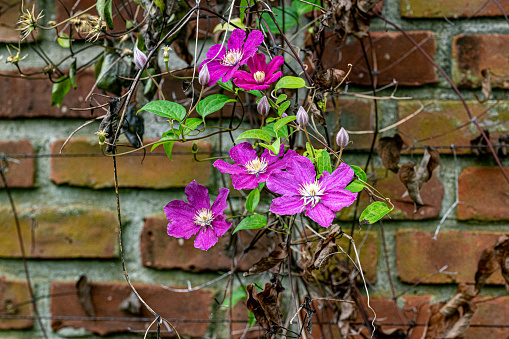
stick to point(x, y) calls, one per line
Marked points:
point(204, 76)
point(342, 138)
point(140, 59)
point(263, 106)
point(302, 117)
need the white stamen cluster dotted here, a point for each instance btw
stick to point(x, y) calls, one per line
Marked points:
point(232, 57)
point(204, 217)
point(311, 192)
point(256, 166)
point(259, 76)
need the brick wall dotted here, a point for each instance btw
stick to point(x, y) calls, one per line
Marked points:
point(67, 205)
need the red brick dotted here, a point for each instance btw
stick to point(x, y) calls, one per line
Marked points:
point(151, 171)
point(19, 173)
point(474, 53)
point(240, 316)
point(441, 121)
point(11, 10)
point(416, 309)
point(391, 187)
point(106, 297)
point(483, 192)
point(490, 312)
point(418, 255)
point(412, 70)
point(51, 233)
point(31, 98)
point(158, 250)
point(12, 294)
point(451, 8)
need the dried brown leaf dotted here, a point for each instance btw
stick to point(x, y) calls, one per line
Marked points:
point(478, 145)
point(461, 326)
point(85, 296)
point(502, 257)
point(485, 268)
point(266, 263)
point(438, 324)
point(131, 304)
point(486, 84)
point(265, 305)
point(464, 296)
point(322, 244)
point(503, 142)
point(389, 150)
point(330, 78)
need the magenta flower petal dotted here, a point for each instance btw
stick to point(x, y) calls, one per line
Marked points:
point(274, 64)
point(197, 195)
point(273, 77)
point(283, 183)
point(180, 214)
point(205, 239)
point(244, 181)
point(220, 203)
point(242, 153)
point(287, 205)
point(337, 200)
point(321, 214)
point(302, 169)
point(221, 226)
point(225, 167)
point(216, 71)
point(216, 52)
point(261, 76)
point(236, 40)
point(254, 39)
point(340, 177)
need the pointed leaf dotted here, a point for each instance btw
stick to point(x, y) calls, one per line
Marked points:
point(60, 89)
point(290, 82)
point(167, 109)
point(255, 134)
point(374, 212)
point(212, 103)
point(356, 185)
point(252, 200)
point(252, 222)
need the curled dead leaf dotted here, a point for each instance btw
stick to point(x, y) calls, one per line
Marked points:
point(478, 146)
point(131, 304)
point(389, 150)
point(502, 257)
point(266, 263)
point(485, 268)
point(265, 305)
point(83, 290)
point(330, 79)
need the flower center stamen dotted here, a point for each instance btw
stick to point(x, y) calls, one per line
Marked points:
point(232, 58)
point(256, 166)
point(311, 192)
point(204, 217)
point(259, 76)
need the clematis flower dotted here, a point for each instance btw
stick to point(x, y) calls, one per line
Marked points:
point(320, 198)
point(250, 170)
point(197, 216)
point(222, 63)
point(261, 76)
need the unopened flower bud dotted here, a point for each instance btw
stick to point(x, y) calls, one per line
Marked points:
point(204, 76)
point(263, 106)
point(302, 117)
point(166, 53)
point(342, 138)
point(284, 115)
point(140, 59)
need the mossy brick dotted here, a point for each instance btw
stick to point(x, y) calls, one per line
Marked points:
point(419, 255)
point(15, 301)
point(446, 123)
point(22, 98)
point(389, 184)
point(484, 194)
point(159, 250)
point(188, 312)
point(11, 10)
point(20, 172)
point(474, 53)
point(59, 233)
point(396, 57)
point(452, 8)
point(408, 309)
point(490, 319)
point(138, 170)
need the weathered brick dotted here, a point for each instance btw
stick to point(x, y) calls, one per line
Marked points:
point(14, 300)
point(189, 312)
point(416, 310)
point(19, 173)
point(451, 8)
point(24, 98)
point(418, 255)
point(395, 56)
point(151, 171)
point(473, 54)
point(158, 250)
point(240, 327)
point(446, 122)
point(391, 187)
point(11, 10)
point(56, 233)
point(483, 193)
point(489, 315)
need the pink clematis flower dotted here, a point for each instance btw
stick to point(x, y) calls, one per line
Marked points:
point(222, 63)
point(197, 216)
point(262, 74)
point(320, 198)
point(249, 169)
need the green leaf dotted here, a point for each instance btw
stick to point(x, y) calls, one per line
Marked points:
point(63, 40)
point(100, 4)
point(236, 295)
point(302, 8)
point(291, 19)
point(323, 162)
point(252, 222)
point(190, 125)
point(282, 122)
point(227, 85)
point(60, 89)
point(281, 133)
point(356, 185)
point(167, 142)
point(72, 74)
point(212, 103)
point(284, 106)
point(256, 93)
point(222, 27)
point(242, 9)
point(309, 152)
point(374, 212)
point(167, 109)
point(161, 4)
point(290, 82)
point(251, 319)
point(281, 98)
point(252, 200)
point(108, 14)
point(255, 134)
